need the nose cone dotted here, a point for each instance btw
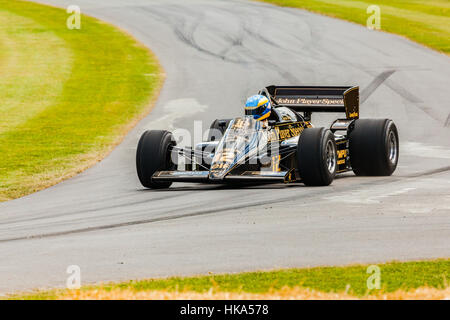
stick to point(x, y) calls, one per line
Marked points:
point(218, 176)
point(238, 142)
point(223, 162)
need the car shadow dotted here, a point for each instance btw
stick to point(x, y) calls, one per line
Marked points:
point(179, 186)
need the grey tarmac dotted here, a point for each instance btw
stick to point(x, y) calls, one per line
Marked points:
point(216, 54)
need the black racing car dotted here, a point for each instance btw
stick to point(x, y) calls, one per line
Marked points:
point(286, 147)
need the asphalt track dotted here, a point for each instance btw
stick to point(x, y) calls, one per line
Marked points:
point(216, 53)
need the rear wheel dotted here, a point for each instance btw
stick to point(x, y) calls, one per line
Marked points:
point(317, 156)
point(153, 154)
point(217, 129)
point(374, 147)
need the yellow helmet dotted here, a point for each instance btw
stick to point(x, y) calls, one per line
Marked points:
point(258, 106)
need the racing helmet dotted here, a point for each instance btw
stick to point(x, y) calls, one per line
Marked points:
point(258, 107)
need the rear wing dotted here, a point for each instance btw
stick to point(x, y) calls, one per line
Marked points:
point(316, 99)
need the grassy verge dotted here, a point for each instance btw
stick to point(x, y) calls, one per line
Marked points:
point(426, 22)
point(67, 97)
point(422, 279)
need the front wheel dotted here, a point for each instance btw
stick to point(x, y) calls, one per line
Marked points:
point(374, 147)
point(154, 154)
point(317, 156)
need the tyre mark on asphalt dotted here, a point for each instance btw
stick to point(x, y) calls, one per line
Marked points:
point(185, 32)
point(428, 173)
point(185, 29)
point(400, 90)
point(96, 209)
point(320, 192)
point(376, 82)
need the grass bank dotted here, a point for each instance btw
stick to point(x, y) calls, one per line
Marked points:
point(423, 21)
point(407, 280)
point(67, 97)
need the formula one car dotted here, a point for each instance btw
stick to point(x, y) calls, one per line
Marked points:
point(282, 146)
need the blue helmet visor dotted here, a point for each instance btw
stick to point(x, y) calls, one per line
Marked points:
point(257, 111)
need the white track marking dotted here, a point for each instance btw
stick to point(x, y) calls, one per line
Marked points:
point(370, 195)
point(175, 110)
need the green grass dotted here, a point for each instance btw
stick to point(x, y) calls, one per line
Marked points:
point(66, 96)
point(424, 21)
point(353, 279)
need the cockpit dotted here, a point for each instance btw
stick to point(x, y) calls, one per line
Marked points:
point(284, 114)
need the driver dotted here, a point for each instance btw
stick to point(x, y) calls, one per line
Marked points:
point(258, 107)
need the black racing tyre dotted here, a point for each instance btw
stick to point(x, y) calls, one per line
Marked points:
point(153, 155)
point(216, 131)
point(317, 156)
point(374, 147)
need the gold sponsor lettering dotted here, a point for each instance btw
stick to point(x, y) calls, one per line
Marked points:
point(342, 153)
point(310, 101)
point(239, 124)
point(288, 131)
point(296, 131)
point(219, 166)
point(276, 163)
point(284, 134)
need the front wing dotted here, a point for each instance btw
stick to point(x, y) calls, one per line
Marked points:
point(242, 177)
